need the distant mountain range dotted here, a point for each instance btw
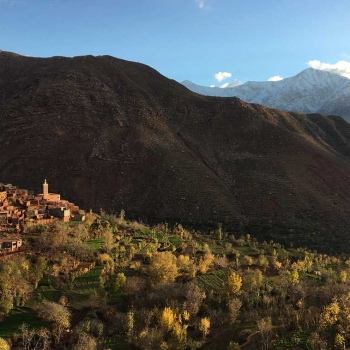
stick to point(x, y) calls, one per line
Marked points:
point(114, 134)
point(310, 91)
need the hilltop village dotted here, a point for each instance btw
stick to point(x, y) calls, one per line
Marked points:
point(20, 209)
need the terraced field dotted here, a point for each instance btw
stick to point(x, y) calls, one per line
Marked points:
point(214, 280)
point(115, 343)
point(16, 318)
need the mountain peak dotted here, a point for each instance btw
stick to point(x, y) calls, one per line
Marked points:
point(318, 72)
point(310, 91)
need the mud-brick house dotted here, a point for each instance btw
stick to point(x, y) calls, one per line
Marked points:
point(9, 187)
point(61, 213)
point(32, 212)
point(12, 193)
point(3, 196)
point(77, 217)
point(4, 215)
point(17, 218)
point(22, 193)
point(10, 245)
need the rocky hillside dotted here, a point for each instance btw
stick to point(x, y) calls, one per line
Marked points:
point(310, 91)
point(114, 134)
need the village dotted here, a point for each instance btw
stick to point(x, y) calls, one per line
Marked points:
point(19, 210)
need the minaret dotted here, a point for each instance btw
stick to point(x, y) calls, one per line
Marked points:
point(45, 190)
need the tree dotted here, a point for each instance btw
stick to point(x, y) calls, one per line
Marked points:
point(179, 335)
point(329, 315)
point(219, 232)
point(163, 268)
point(234, 306)
point(57, 314)
point(14, 286)
point(194, 298)
point(252, 280)
point(107, 262)
point(108, 239)
point(129, 325)
point(85, 342)
point(339, 341)
point(121, 219)
point(343, 276)
point(233, 346)
point(167, 319)
point(221, 261)
point(234, 283)
point(37, 270)
point(204, 326)
point(34, 339)
point(265, 328)
point(186, 266)
point(4, 345)
point(263, 262)
point(293, 277)
point(205, 262)
point(57, 234)
point(247, 260)
point(81, 233)
point(118, 285)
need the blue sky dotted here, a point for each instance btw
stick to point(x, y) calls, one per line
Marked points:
point(187, 39)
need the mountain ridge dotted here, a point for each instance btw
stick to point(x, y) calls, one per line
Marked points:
point(310, 91)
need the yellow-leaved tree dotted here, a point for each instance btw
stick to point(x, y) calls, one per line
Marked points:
point(234, 283)
point(186, 266)
point(163, 268)
point(204, 326)
point(329, 315)
point(167, 319)
point(205, 262)
point(4, 344)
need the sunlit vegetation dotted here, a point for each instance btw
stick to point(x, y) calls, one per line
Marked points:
point(110, 283)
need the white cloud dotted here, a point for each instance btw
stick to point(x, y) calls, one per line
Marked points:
point(212, 85)
point(222, 76)
point(275, 78)
point(341, 67)
point(223, 86)
point(201, 4)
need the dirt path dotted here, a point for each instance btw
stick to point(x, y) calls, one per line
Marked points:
point(250, 336)
point(249, 339)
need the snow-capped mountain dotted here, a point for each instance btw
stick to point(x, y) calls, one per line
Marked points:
point(310, 91)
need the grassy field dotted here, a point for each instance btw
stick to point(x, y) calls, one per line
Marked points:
point(217, 249)
point(95, 244)
point(78, 297)
point(17, 317)
point(247, 250)
point(298, 340)
point(49, 293)
point(176, 241)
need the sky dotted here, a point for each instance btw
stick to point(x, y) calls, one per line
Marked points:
point(209, 42)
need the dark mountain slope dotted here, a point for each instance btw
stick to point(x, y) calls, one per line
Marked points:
point(114, 134)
